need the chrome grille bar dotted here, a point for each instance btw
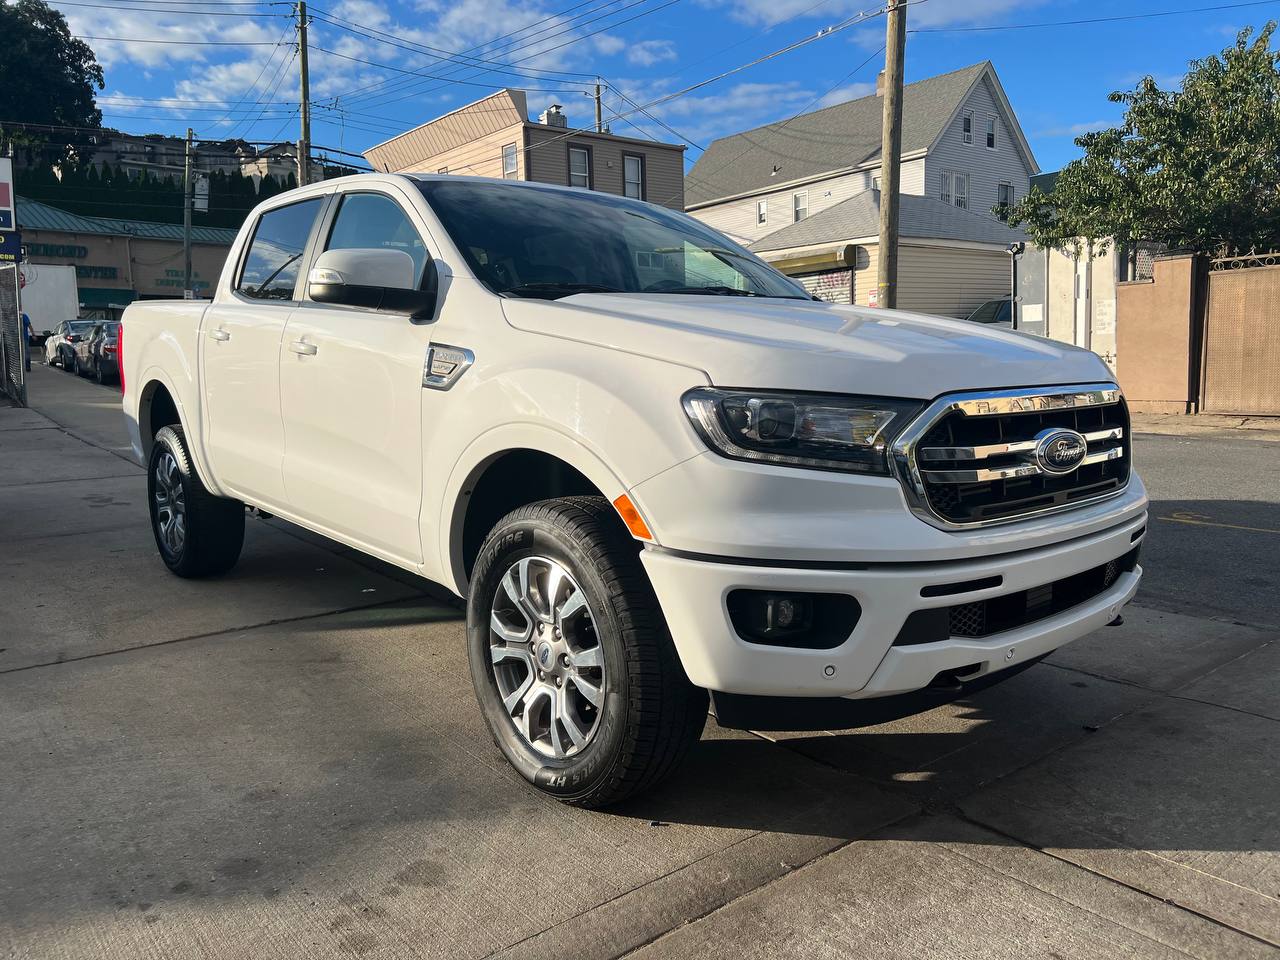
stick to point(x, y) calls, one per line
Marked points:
point(997, 449)
point(1013, 470)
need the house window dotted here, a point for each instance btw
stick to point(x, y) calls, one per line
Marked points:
point(875, 184)
point(1004, 195)
point(955, 189)
point(799, 206)
point(580, 167)
point(762, 212)
point(509, 165)
point(968, 127)
point(633, 175)
point(991, 133)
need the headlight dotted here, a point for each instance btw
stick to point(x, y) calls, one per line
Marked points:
point(817, 430)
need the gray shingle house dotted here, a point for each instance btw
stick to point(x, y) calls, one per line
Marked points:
point(804, 193)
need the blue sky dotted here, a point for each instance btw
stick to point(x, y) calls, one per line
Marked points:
point(235, 75)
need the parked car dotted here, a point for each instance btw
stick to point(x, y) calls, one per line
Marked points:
point(59, 348)
point(94, 354)
point(654, 467)
point(995, 312)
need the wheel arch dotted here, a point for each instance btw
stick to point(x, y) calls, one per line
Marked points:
point(506, 469)
point(160, 405)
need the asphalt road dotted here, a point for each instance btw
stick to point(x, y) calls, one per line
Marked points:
point(287, 761)
point(1214, 543)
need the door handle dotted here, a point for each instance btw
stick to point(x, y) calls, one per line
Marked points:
point(303, 348)
point(220, 335)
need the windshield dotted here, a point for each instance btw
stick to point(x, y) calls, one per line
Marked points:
point(83, 326)
point(555, 243)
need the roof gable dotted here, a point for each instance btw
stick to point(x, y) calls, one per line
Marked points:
point(835, 138)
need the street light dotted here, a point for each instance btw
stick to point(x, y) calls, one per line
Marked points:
point(1014, 250)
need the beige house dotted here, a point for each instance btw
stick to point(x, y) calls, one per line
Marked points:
point(494, 137)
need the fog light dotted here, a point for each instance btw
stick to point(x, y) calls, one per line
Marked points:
point(817, 621)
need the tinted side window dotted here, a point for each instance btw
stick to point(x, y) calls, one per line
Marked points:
point(275, 253)
point(372, 221)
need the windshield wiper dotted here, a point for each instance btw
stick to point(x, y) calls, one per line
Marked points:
point(553, 291)
point(712, 291)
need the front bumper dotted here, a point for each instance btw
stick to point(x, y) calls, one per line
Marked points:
point(693, 592)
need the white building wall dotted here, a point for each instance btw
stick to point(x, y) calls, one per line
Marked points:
point(737, 218)
point(986, 167)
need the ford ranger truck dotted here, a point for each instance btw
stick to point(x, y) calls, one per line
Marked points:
point(656, 469)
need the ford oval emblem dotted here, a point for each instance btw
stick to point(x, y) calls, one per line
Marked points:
point(1059, 450)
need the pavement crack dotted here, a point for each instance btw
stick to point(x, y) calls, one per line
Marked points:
point(204, 636)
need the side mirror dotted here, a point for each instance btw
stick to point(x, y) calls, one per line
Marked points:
point(374, 278)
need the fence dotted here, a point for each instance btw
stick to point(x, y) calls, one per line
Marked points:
point(13, 383)
point(1241, 357)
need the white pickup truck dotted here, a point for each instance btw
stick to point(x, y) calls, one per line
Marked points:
point(652, 464)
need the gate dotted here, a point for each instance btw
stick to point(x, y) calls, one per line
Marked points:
point(13, 383)
point(1241, 358)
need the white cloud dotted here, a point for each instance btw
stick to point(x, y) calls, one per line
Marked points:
point(852, 91)
point(1076, 129)
point(648, 52)
point(608, 44)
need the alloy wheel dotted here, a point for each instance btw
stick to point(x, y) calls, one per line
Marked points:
point(547, 659)
point(170, 503)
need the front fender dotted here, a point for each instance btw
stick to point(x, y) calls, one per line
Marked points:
point(482, 452)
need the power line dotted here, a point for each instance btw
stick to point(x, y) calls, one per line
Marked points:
point(667, 98)
point(1089, 20)
point(526, 42)
point(380, 36)
point(256, 80)
point(488, 46)
point(543, 52)
point(427, 76)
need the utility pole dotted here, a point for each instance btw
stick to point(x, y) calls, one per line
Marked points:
point(891, 155)
point(599, 113)
point(304, 143)
point(187, 190)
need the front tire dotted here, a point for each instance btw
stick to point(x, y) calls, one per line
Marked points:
point(197, 534)
point(574, 669)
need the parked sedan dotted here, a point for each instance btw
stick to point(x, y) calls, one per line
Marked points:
point(96, 354)
point(59, 349)
point(996, 313)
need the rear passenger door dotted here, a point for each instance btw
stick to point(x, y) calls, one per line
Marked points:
point(351, 395)
point(240, 355)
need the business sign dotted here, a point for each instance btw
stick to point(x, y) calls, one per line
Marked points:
point(10, 248)
point(8, 215)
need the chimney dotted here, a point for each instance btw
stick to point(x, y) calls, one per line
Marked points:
point(554, 116)
point(880, 84)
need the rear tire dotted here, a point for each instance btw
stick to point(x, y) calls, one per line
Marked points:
point(97, 371)
point(68, 362)
point(197, 534)
point(635, 715)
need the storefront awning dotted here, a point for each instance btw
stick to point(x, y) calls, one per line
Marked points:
point(96, 298)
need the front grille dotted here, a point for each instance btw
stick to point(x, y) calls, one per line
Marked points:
point(982, 618)
point(976, 461)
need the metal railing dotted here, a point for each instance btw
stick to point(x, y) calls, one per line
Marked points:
point(1245, 262)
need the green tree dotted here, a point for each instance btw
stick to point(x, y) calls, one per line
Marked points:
point(46, 75)
point(1195, 169)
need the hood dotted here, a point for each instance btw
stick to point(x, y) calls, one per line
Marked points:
point(807, 345)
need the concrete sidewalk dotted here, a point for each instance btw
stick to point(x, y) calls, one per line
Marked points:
point(288, 762)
